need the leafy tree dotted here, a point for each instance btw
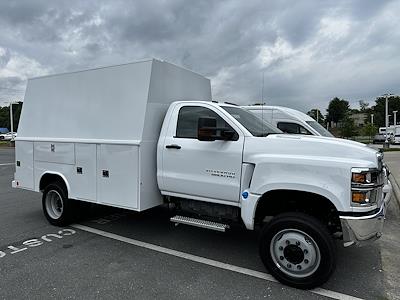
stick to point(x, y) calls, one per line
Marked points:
point(313, 114)
point(379, 109)
point(337, 110)
point(363, 105)
point(5, 116)
point(369, 129)
point(348, 128)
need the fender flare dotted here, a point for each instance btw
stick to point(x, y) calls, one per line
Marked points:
point(57, 174)
point(250, 204)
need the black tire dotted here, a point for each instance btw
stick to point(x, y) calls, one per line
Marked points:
point(297, 224)
point(54, 216)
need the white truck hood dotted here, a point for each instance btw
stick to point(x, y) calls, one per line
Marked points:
point(310, 146)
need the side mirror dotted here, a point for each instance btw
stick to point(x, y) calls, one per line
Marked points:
point(206, 129)
point(229, 135)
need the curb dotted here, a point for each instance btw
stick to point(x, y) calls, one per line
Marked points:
point(396, 189)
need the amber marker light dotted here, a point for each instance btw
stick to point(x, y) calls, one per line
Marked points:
point(359, 197)
point(359, 178)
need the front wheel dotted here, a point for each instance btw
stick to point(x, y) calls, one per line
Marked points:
point(297, 250)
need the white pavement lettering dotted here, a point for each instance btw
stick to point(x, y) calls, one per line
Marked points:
point(15, 249)
point(45, 237)
point(31, 243)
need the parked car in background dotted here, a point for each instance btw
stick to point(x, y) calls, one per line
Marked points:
point(380, 138)
point(9, 136)
point(289, 120)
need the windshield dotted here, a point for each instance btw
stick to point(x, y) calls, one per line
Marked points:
point(251, 122)
point(319, 128)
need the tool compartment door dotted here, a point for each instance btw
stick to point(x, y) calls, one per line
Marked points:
point(24, 164)
point(118, 175)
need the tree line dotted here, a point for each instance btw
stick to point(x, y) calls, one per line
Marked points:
point(5, 116)
point(338, 115)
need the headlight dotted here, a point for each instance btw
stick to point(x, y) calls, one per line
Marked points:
point(361, 178)
point(364, 186)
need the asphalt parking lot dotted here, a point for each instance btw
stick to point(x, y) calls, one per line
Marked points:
point(120, 254)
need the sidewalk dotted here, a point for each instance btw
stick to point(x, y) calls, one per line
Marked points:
point(392, 159)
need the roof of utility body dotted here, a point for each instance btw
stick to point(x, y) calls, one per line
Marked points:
point(122, 103)
point(295, 113)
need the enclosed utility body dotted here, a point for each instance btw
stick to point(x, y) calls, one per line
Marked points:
point(98, 130)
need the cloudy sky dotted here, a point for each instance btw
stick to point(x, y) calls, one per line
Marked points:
point(308, 51)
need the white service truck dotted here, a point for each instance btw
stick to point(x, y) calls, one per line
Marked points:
point(145, 134)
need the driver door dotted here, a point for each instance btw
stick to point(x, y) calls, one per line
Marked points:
point(203, 170)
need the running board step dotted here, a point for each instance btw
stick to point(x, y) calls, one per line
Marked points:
point(199, 223)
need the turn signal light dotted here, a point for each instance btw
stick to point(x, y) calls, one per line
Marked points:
point(359, 178)
point(359, 197)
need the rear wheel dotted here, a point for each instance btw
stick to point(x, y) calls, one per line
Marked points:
point(57, 207)
point(298, 250)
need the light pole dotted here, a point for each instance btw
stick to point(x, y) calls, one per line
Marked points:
point(395, 116)
point(386, 145)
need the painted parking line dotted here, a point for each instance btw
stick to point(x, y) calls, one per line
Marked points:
point(206, 261)
point(7, 164)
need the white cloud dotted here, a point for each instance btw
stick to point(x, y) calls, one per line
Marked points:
point(309, 51)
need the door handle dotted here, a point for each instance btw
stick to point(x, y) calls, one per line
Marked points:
point(173, 146)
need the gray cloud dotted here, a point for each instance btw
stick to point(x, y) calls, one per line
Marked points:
point(308, 51)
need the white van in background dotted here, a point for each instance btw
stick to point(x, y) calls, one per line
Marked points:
point(289, 120)
point(396, 138)
point(392, 132)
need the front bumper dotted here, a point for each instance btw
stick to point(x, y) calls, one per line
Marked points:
point(360, 230)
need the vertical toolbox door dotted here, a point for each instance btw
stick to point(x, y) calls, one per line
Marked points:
point(118, 175)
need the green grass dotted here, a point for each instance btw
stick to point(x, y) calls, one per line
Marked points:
point(4, 144)
point(391, 150)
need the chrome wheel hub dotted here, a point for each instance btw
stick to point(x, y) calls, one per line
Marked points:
point(295, 253)
point(54, 204)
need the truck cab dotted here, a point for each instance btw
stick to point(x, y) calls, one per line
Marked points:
point(221, 163)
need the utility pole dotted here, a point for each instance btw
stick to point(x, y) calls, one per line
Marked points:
point(395, 117)
point(11, 118)
point(386, 145)
point(372, 119)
